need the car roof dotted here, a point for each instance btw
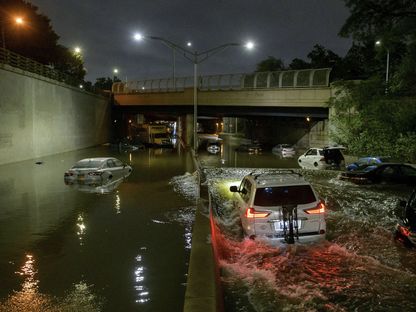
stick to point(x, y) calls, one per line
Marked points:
point(96, 159)
point(283, 178)
point(374, 157)
point(334, 148)
point(393, 164)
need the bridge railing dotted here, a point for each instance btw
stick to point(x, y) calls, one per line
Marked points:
point(305, 78)
point(18, 61)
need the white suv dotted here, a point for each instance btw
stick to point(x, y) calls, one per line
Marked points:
point(280, 206)
point(322, 158)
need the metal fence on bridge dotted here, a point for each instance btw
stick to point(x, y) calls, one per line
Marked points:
point(306, 78)
point(18, 61)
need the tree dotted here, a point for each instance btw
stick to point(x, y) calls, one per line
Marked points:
point(377, 17)
point(299, 64)
point(104, 83)
point(270, 64)
point(36, 39)
point(321, 57)
point(369, 123)
point(393, 22)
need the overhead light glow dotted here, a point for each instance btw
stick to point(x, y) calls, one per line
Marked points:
point(19, 20)
point(77, 50)
point(115, 71)
point(249, 45)
point(189, 44)
point(378, 42)
point(138, 37)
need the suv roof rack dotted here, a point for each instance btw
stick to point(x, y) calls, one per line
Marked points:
point(274, 172)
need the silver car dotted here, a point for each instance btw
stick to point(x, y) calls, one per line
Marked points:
point(97, 171)
point(279, 206)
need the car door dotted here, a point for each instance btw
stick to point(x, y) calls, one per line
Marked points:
point(243, 198)
point(388, 174)
point(408, 174)
point(311, 157)
point(115, 172)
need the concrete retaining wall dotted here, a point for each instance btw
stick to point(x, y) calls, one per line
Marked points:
point(40, 117)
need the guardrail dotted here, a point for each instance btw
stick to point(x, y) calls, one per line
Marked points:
point(305, 78)
point(18, 61)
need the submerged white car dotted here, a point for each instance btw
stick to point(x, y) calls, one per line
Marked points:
point(280, 206)
point(322, 158)
point(285, 150)
point(97, 171)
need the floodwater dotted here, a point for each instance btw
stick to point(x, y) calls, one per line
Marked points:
point(65, 248)
point(360, 267)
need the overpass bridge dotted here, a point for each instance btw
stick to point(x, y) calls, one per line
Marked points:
point(293, 93)
point(282, 93)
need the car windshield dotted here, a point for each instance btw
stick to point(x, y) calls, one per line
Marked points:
point(284, 195)
point(87, 164)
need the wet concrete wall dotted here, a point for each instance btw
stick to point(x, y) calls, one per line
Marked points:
point(40, 117)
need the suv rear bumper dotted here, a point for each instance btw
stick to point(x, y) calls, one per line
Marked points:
point(309, 237)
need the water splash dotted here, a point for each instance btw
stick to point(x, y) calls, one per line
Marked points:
point(360, 267)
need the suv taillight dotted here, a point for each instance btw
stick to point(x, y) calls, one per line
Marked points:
point(322, 159)
point(251, 213)
point(320, 208)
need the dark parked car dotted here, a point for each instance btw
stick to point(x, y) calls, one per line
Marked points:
point(406, 227)
point(367, 161)
point(388, 173)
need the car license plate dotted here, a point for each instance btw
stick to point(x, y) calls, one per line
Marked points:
point(278, 226)
point(81, 177)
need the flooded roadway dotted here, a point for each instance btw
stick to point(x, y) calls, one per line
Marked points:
point(63, 249)
point(360, 267)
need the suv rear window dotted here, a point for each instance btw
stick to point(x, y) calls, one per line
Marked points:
point(284, 195)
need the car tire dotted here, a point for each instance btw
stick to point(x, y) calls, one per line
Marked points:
point(315, 164)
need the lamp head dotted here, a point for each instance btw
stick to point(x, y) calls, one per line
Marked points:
point(249, 45)
point(138, 37)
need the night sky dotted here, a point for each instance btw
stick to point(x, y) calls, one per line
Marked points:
point(104, 30)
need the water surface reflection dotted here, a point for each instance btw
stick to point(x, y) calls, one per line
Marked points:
point(86, 245)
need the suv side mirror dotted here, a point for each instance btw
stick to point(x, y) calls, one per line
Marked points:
point(233, 188)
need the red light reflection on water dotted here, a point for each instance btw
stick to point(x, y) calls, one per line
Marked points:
point(323, 276)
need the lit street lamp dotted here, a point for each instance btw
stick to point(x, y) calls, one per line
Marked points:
point(77, 51)
point(171, 45)
point(17, 21)
point(115, 72)
point(196, 58)
point(378, 43)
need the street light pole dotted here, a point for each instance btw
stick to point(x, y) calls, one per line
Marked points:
point(378, 43)
point(195, 135)
point(196, 58)
point(387, 68)
point(3, 41)
point(17, 21)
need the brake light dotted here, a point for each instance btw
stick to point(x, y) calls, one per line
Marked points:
point(320, 208)
point(404, 231)
point(251, 213)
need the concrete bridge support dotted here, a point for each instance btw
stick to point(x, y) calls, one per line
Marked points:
point(189, 130)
